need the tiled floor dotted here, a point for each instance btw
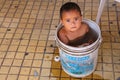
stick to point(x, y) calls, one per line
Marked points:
point(27, 44)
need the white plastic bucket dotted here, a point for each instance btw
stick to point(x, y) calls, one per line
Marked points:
point(79, 61)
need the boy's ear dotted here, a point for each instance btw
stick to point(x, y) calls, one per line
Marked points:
point(61, 22)
point(81, 13)
point(81, 17)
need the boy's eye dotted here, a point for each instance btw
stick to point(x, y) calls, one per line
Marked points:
point(76, 19)
point(68, 20)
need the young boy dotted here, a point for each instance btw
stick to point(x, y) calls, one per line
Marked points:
point(74, 31)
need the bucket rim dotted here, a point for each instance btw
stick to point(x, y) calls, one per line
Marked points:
point(80, 49)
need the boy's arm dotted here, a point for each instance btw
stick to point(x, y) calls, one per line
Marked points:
point(62, 36)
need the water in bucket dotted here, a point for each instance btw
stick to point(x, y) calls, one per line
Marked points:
point(90, 37)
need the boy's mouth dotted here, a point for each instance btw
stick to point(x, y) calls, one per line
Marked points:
point(73, 27)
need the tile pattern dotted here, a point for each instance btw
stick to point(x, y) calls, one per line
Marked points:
point(27, 44)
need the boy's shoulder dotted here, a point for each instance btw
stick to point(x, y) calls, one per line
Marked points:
point(62, 32)
point(86, 26)
point(62, 35)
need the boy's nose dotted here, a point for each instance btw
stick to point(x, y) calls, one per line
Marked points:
point(73, 23)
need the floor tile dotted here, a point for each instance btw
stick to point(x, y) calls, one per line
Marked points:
point(27, 40)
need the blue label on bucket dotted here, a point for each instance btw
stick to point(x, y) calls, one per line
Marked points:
point(76, 64)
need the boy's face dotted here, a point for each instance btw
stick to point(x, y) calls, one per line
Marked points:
point(71, 20)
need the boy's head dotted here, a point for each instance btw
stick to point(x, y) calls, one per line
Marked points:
point(71, 17)
point(68, 7)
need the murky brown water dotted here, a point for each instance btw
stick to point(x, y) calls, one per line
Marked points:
point(86, 40)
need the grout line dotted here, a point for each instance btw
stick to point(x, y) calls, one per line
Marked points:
point(28, 76)
point(19, 44)
point(3, 39)
point(9, 45)
point(110, 40)
point(39, 37)
point(3, 27)
point(117, 18)
point(36, 45)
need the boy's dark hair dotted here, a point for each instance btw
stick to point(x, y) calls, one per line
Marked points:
point(69, 6)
